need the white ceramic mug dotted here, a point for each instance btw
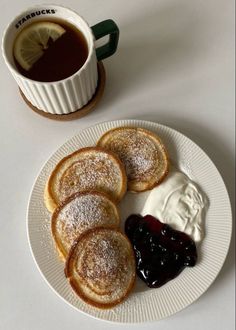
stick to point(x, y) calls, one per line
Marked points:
point(74, 92)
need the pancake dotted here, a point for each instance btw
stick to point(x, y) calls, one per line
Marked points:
point(101, 267)
point(79, 213)
point(90, 168)
point(143, 154)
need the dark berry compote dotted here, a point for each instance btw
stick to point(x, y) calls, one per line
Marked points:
point(161, 252)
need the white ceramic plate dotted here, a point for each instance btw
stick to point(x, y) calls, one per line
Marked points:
point(143, 304)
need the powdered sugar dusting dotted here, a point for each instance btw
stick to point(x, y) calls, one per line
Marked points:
point(82, 213)
point(105, 265)
point(97, 172)
point(138, 152)
point(106, 261)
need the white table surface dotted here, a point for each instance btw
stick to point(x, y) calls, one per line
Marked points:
point(175, 66)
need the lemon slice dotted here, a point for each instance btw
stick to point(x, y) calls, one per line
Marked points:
point(33, 40)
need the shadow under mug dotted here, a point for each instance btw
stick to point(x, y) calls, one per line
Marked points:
point(74, 92)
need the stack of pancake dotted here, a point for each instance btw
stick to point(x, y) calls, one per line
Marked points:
point(83, 193)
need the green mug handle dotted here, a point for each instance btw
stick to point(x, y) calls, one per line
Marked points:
point(102, 29)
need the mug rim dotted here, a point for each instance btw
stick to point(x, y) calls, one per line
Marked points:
point(82, 68)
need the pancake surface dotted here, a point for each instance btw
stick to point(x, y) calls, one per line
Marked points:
point(101, 267)
point(79, 213)
point(143, 154)
point(90, 168)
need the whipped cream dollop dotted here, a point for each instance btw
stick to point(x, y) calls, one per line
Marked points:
point(180, 203)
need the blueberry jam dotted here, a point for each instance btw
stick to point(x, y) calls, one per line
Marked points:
point(161, 252)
